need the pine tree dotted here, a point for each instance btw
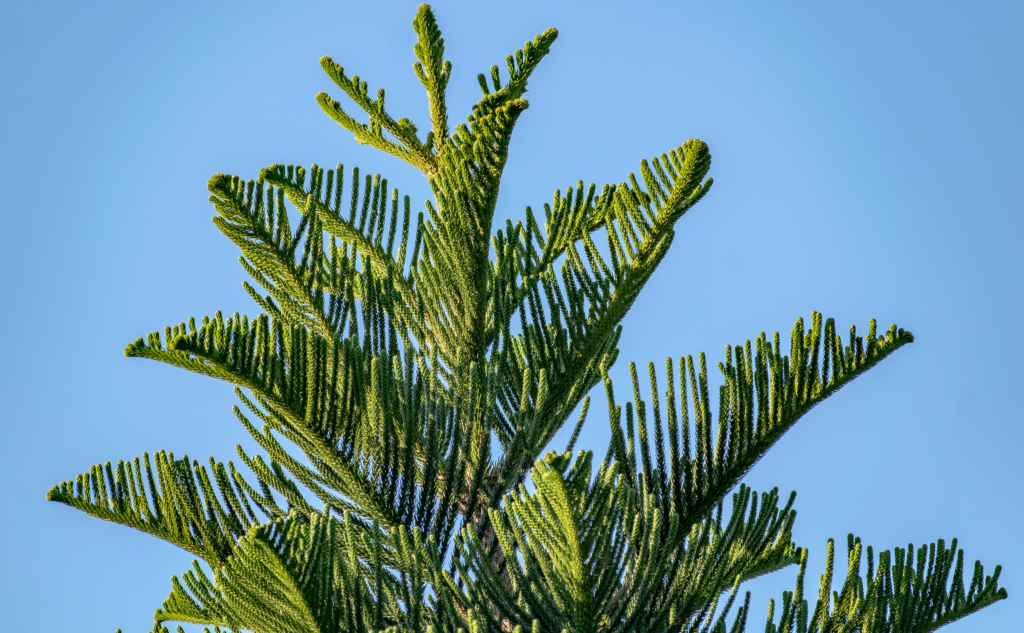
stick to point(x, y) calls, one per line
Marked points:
point(408, 373)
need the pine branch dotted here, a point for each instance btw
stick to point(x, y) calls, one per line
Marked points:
point(711, 560)
point(586, 556)
point(363, 234)
point(520, 66)
point(408, 146)
point(281, 578)
point(173, 500)
point(572, 326)
point(254, 217)
point(636, 220)
point(896, 597)
point(433, 71)
point(376, 432)
point(327, 575)
point(764, 395)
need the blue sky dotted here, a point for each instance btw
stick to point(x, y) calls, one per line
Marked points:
point(867, 164)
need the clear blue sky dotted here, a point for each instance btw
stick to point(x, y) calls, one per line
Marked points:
point(867, 163)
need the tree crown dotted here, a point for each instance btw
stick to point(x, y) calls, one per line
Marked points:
point(407, 375)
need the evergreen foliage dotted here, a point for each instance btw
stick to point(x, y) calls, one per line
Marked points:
point(408, 373)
